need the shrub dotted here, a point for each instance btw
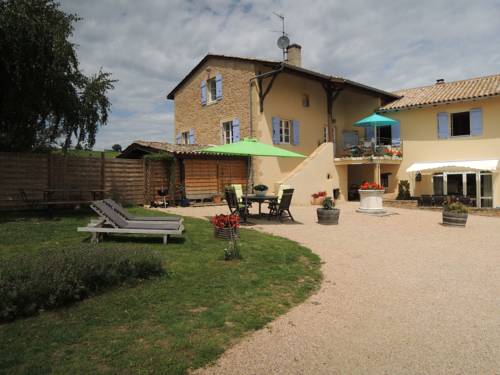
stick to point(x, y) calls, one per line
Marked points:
point(457, 207)
point(51, 279)
point(260, 187)
point(404, 190)
point(328, 203)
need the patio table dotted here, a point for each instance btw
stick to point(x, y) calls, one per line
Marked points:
point(260, 199)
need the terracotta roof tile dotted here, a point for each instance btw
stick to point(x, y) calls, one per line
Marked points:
point(439, 93)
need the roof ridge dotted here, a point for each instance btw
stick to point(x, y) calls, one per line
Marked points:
point(447, 83)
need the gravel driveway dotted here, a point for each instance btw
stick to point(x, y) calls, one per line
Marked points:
point(401, 295)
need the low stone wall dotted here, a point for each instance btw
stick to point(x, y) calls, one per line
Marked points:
point(413, 204)
point(400, 203)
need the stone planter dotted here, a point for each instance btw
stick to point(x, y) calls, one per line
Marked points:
point(226, 233)
point(455, 219)
point(260, 193)
point(328, 217)
point(370, 201)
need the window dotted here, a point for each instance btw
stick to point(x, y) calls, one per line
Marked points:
point(285, 131)
point(227, 132)
point(305, 100)
point(212, 90)
point(326, 137)
point(460, 124)
point(185, 138)
point(384, 135)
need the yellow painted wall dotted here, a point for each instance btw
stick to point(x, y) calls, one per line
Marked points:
point(421, 144)
point(285, 101)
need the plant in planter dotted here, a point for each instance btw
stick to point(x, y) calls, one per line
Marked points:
point(328, 214)
point(318, 198)
point(260, 190)
point(455, 214)
point(225, 226)
point(370, 198)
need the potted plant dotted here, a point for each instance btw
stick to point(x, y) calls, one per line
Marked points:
point(455, 214)
point(260, 190)
point(370, 198)
point(317, 198)
point(226, 226)
point(328, 214)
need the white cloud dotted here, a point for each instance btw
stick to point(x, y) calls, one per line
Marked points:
point(150, 45)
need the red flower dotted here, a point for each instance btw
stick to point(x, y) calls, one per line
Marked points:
point(225, 221)
point(371, 186)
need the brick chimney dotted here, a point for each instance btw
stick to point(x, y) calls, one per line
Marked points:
point(294, 55)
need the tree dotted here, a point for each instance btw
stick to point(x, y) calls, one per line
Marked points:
point(116, 147)
point(44, 97)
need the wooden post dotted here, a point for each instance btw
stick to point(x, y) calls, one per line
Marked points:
point(103, 173)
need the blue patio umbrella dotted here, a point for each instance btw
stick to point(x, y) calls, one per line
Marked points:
point(375, 121)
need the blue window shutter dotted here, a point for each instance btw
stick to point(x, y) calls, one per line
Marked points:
point(369, 134)
point(476, 121)
point(296, 131)
point(178, 138)
point(442, 125)
point(396, 134)
point(276, 130)
point(203, 92)
point(218, 87)
point(236, 130)
point(192, 140)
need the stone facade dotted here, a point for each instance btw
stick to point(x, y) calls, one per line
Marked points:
point(206, 120)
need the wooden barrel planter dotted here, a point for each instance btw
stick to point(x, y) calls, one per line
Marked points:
point(328, 217)
point(455, 219)
point(226, 233)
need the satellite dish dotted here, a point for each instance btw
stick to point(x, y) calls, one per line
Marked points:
point(283, 42)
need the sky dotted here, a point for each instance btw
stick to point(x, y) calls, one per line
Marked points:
point(150, 45)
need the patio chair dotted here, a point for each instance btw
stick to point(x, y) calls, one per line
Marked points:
point(234, 204)
point(425, 200)
point(238, 190)
point(283, 208)
point(272, 205)
point(129, 217)
point(438, 200)
point(111, 222)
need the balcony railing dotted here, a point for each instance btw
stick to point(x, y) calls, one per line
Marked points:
point(369, 148)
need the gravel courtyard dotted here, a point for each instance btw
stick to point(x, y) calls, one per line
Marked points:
point(401, 295)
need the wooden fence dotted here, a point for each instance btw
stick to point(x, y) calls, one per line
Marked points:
point(135, 181)
point(34, 174)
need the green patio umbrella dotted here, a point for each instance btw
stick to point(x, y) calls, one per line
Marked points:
point(375, 121)
point(251, 147)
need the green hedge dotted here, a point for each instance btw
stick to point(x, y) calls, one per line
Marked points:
point(51, 279)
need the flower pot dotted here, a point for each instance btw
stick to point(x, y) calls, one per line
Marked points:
point(455, 219)
point(260, 193)
point(329, 217)
point(317, 201)
point(370, 201)
point(226, 233)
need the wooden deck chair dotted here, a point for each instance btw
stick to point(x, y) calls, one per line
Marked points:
point(283, 208)
point(238, 190)
point(112, 222)
point(129, 217)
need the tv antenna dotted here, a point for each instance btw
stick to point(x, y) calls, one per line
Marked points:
point(283, 40)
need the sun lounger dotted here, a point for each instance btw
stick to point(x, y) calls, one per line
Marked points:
point(129, 217)
point(111, 222)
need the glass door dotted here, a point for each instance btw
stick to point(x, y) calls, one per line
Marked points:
point(486, 190)
point(455, 184)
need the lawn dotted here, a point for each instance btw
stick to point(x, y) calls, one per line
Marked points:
point(166, 325)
